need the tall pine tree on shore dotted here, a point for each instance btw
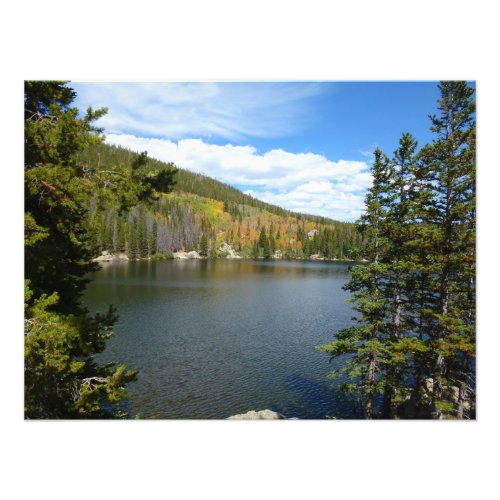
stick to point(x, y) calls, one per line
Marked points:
point(415, 340)
point(363, 346)
point(449, 168)
point(62, 378)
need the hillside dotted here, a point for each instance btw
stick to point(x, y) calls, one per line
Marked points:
point(202, 213)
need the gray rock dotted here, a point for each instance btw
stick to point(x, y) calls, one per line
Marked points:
point(108, 257)
point(187, 255)
point(227, 249)
point(429, 385)
point(278, 254)
point(258, 415)
point(105, 257)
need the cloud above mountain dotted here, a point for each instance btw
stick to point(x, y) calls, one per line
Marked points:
point(266, 138)
point(304, 182)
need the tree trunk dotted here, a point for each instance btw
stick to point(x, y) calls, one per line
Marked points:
point(398, 306)
point(392, 375)
point(462, 392)
point(370, 383)
point(437, 387)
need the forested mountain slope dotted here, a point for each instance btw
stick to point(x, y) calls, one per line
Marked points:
point(202, 213)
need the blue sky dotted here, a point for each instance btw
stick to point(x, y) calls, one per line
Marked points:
point(305, 146)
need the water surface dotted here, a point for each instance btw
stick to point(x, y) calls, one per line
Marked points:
point(213, 338)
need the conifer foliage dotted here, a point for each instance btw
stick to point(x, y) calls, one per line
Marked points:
point(411, 353)
point(62, 379)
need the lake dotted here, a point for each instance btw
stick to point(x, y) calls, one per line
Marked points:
point(214, 338)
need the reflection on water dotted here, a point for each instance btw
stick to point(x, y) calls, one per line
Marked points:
point(213, 338)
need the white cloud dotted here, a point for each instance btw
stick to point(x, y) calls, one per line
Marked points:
point(142, 115)
point(304, 182)
point(180, 110)
point(330, 203)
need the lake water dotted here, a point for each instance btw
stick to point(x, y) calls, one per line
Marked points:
point(213, 338)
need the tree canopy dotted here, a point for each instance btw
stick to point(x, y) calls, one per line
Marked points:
point(62, 378)
point(412, 352)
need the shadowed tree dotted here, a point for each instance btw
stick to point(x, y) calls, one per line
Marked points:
point(62, 379)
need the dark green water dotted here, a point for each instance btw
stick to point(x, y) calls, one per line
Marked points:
point(214, 338)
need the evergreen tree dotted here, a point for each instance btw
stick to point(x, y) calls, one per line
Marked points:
point(154, 237)
point(59, 249)
point(142, 236)
point(62, 379)
point(255, 249)
point(414, 342)
point(263, 238)
point(203, 245)
point(264, 244)
point(448, 165)
point(392, 231)
point(272, 244)
point(364, 346)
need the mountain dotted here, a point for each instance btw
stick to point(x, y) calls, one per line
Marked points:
point(202, 214)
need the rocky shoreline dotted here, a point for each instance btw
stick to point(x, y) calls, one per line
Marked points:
point(225, 251)
point(110, 257)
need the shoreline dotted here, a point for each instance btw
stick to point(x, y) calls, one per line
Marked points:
point(157, 257)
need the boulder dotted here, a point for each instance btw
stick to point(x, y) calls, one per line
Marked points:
point(108, 257)
point(258, 415)
point(180, 255)
point(104, 257)
point(227, 249)
point(429, 385)
point(187, 255)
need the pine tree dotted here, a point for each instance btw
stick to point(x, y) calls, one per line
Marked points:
point(203, 245)
point(62, 379)
point(154, 237)
point(142, 236)
point(449, 167)
point(59, 250)
point(414, 342)
point(363, 346)
point(264, 243)
point(395, 232)
point(262, 237)
point(255, 249)
point(272, 244)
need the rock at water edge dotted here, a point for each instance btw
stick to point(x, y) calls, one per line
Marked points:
point(187, 255)
point(258, 415)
